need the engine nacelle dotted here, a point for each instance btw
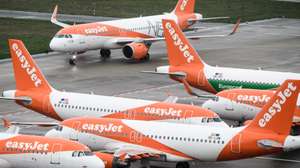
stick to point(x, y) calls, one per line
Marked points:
point(247, 122)
point(110, 161)
point(136, 51)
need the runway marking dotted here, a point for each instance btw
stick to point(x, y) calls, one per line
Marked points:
point(278, 159)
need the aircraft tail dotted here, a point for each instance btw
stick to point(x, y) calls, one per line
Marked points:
point(27, 74)
point(180, 51)
point(184, 6)
point(277, 114)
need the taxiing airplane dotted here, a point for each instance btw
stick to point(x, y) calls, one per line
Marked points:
point(243, 104)
point(28, 151)
point(133, 35)
point(187, 67)
point(34, 92)
point(268, 133)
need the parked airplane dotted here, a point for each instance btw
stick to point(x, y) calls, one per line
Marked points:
point(34, 92)
point(243, 104)
point(268, 133)
point(28, 151)
point(187, 67)
point(133, 35)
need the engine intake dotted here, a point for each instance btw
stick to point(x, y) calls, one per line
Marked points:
point(136, 51)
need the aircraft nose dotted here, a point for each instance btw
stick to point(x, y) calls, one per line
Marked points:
point(53, 44)
point(207, 104)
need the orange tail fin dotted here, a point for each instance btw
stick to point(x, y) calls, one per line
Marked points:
point(180, 51)
point(27, 74)
point(184, 6)
point(277, 114)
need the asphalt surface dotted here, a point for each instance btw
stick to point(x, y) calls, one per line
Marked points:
point(270, 44)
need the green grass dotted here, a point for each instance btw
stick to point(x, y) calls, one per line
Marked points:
point(37, 34)
point(248, 9)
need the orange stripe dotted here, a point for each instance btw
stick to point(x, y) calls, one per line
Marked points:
point(128, 131)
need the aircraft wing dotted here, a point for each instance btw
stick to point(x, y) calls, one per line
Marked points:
point(175, 74)
point(151, 40)
point(207, 19)
point(129, 153)
point(171, 99)
point(8, 124)
point(16, 98)
point(55, 21)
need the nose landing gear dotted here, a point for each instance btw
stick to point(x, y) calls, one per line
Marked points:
point(105, 54)
point(73, 60)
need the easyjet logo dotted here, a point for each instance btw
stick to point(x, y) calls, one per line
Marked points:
point(27, 146)
point(102, 127)
point(163, 111)
point(96, 30)
point(276, 106)
point(253, 99)
point(183, 48)
point(183, 5)
point(31, 71)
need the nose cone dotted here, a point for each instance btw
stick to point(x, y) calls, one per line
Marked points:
point(54, 44)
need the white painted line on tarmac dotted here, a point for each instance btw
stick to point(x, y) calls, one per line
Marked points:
point(278, 159)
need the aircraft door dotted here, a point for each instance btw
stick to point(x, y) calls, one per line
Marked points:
point(75, 133)
point(229, 103)
point(55, 155)
point(235, 145)
point(188, 116)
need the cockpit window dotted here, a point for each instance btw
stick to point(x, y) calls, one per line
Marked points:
point(217, 119)
point(63, 36)
point(88, 153)
point(82, 153)
point(58, 128)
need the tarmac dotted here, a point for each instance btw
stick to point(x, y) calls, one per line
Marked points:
point(269, 44)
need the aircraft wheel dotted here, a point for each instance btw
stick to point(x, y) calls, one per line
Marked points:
point(182, 165)
point(73, 60)
point(105, 53)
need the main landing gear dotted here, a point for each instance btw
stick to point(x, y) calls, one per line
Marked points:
point(105, 54)
point(182, 165)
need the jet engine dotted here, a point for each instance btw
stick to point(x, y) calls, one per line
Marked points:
point(137, 51)
point(112, 162)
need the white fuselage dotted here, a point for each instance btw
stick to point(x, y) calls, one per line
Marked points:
point(150, 26)
point(194, 142)
point(21, 156)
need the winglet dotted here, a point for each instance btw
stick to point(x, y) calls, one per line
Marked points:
point(236, 26)
point(6, 123)
point(54, 18)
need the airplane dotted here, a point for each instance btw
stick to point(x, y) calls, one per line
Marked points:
point(187, 67)
point(34, 92)
point(133, 35)
point(29, 151)
point(267, 133)
point(243, 104)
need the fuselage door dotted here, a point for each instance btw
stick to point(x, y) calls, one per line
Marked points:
point(55, 154)
point(229, 103)
point(74, 133)
point(235, 145)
